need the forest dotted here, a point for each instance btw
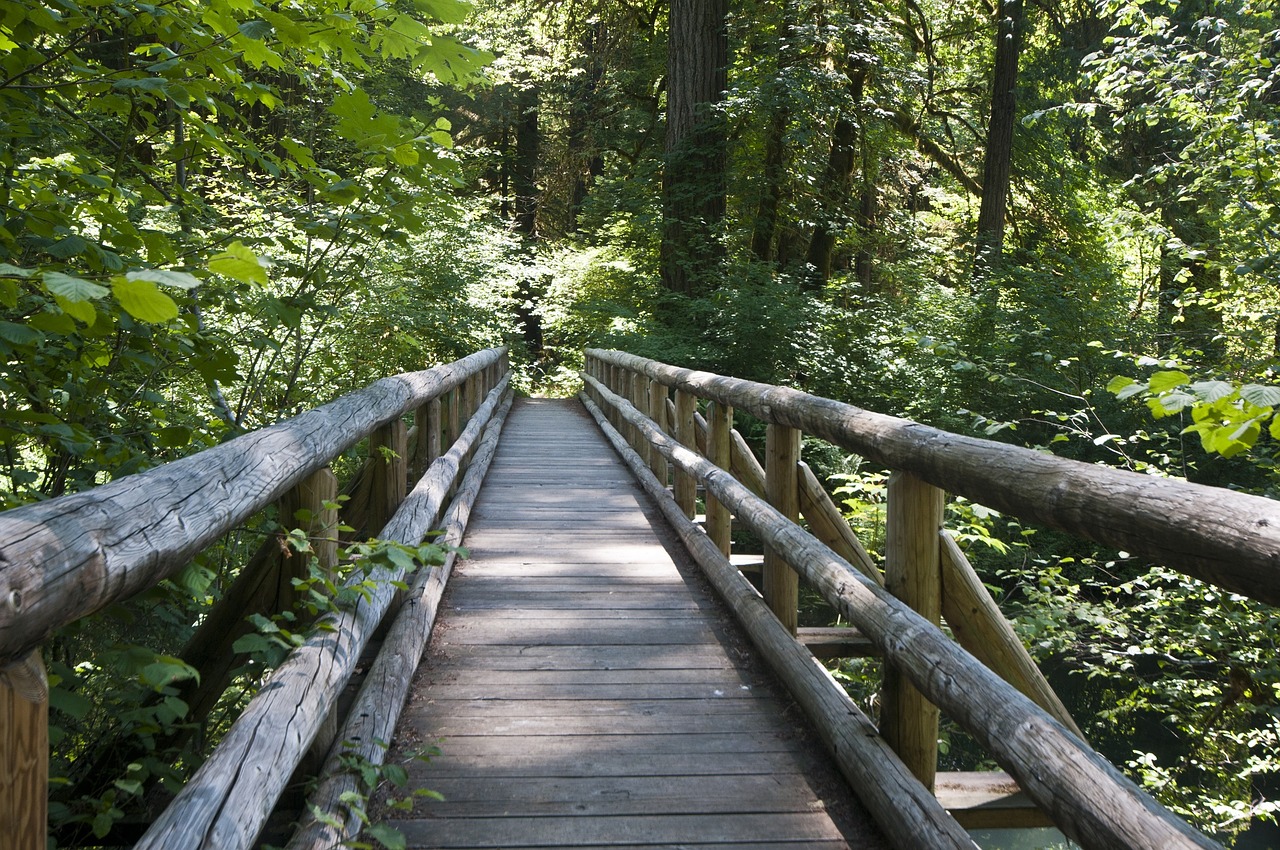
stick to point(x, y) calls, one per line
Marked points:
point(1054, 223)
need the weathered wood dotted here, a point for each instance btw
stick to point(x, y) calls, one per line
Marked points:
point(658, 413)
point(828, 642)
point(720, 452)
point(312, 507)
point(646, 830)
point(980, 627)
point(988, 800)
point(372, 719)
point(901, 806)
point(908, 721)
point(388, 446)
point(781, 585)
point(24, 753)
point(66, 558)
point(227, 801)
point(685, 486)
point(1227, 538)
point(427, 418)
point(1087, 797)
point(623, 711)
point(829, 525)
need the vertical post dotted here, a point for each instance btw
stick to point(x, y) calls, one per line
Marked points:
point(387, 448)
point(452, 419)
point(781, 586)
point(24, 752)
point(427, 418)
point(719, 447)
point(913, 573)
point(686, 486)
point(316, 497)
point(636, 391)
point(658, 413)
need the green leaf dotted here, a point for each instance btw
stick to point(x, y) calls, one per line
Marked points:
point(143, 300)
point(57, 323)
point(173, 437)
point(389, 837)
point(178, 280)
point(1162, 381)
point(19, 334)
point(1212, 391)
point(1261, 395)
point(15, 271)
point(445, 11)
point(239, 263)
point(82, 310)
point(69, 703)
point(73, 288)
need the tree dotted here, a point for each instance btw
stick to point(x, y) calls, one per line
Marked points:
point(693, 175)
point(997, 161)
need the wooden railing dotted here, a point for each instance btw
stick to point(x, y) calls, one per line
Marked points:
point(983, 679)
point(67, 558)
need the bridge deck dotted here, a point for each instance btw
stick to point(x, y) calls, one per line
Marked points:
point(587, 692)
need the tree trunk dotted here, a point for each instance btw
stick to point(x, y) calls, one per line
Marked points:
point(693, 178)
point(835, 188)
point(995, 166)
point(766, 221)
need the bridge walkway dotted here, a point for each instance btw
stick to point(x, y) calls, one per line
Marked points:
point(584, 687)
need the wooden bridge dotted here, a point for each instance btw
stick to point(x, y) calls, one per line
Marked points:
point(602, 672)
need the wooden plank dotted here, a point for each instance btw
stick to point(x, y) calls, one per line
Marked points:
point(908, 721)
point(463, 677)
point(836, 642)
point(781, 586)
point(988, 800)
point(588, 796)
point(685, 485)
point(643, 657)
point(458, 761)
point(591, 697)
point(720, 452)
point(24, 753)
point(573, 831)
point(571, 669)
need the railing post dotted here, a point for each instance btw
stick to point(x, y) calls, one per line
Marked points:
point(387, 447)
point(913, 573)
point(781, 584)
point(427, 418)
point(317, 496)
point(686, 486)
point(24, 751)
point(719, 452)
point(658, 413)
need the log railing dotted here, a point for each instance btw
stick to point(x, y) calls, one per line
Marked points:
point(66, 558)
point(983, 679)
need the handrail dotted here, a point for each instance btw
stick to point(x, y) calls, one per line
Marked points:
point(1220, 536)
point(1087, 797)
point(66, 558)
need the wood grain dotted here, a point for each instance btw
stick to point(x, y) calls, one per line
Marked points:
point(1227, 538)
point(580, 688)
point(1087, 797)
point(65, 558)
